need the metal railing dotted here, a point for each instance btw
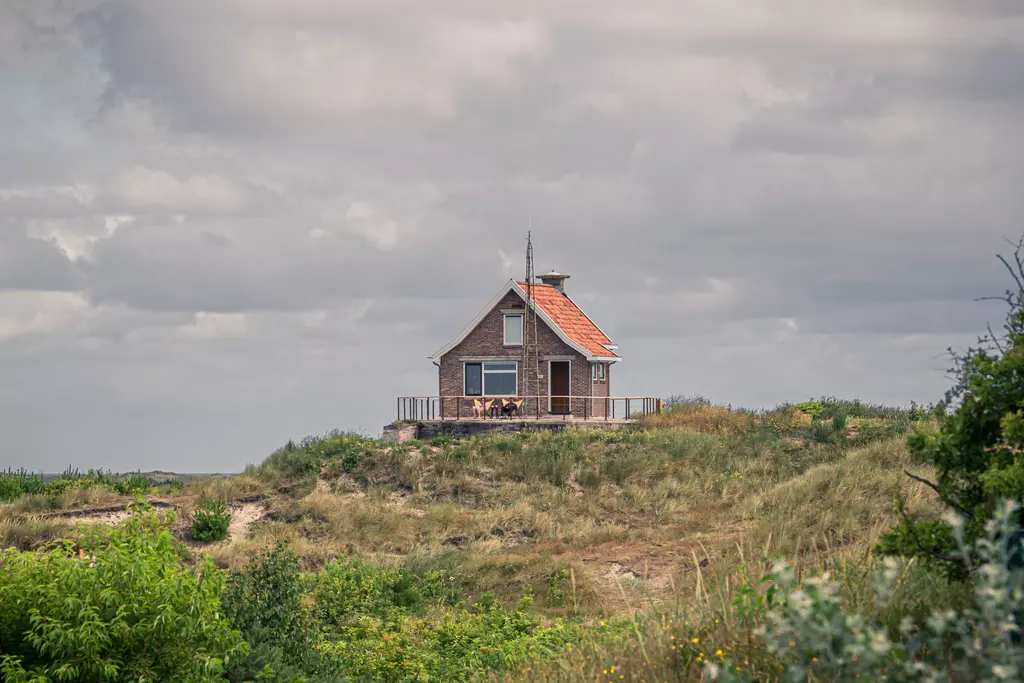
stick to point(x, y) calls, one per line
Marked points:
point(431, 408)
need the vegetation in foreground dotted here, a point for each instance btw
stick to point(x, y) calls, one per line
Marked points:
point(462, 560)
point(646, 555)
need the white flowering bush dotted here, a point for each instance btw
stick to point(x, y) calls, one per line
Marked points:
point(814, 639)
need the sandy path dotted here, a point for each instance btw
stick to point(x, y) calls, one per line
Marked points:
point(110, 517)
point(242, 518)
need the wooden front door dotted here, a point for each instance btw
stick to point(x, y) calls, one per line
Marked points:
point(560, 386)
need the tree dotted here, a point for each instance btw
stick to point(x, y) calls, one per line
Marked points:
point(978, 451)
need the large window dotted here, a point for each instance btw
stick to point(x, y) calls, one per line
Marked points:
point(492, 378)
point(513, 330)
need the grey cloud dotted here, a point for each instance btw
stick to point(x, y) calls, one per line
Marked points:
point(32, 264)
point(278, 209)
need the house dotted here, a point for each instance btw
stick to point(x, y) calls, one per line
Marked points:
point(573, 357)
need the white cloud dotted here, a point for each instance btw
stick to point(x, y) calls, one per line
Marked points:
point(143, 188)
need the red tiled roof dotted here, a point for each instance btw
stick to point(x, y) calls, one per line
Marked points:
point(573, 322)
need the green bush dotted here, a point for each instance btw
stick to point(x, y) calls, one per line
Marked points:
point(377, 624)
point(173, 485)
point(814, 637)
point(132, 484)
point(126, 609)
point(265, 602)
point(210, 522)
point(812, 408)
point(14, 484)
point(978, 452)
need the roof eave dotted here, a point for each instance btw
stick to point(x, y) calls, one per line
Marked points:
point(509, 286)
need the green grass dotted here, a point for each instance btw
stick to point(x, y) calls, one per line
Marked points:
point(665, 522)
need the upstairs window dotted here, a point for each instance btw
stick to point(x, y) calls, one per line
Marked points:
point(513, 330)
point(597, 371)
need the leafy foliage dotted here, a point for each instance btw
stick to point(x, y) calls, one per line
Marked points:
point(814, 637)
point(122, 606)
point(14, 484)
point(132, 484)
point(977, 453)
point(265, 602)
point(210, 522)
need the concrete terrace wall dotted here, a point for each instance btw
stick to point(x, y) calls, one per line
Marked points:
point(424, 431)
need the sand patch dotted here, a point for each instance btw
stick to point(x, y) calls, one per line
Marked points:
point(243, 517)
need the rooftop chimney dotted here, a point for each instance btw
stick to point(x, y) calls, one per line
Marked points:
point(556, 280)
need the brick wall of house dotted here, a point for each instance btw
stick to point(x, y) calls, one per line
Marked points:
point(600, 388)
point(487, 340)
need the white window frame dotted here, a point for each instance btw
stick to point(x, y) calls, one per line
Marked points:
point(504, 329)
point(484, 372)
point(602, 369)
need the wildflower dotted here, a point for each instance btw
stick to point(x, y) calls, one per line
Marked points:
point(694, 640)
point(814, 659)
point(718, 652)
point(603, 623)
point(613, 669)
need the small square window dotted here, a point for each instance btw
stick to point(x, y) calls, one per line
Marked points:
point(513, 330)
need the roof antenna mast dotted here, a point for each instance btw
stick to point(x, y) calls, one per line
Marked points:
point(531, 360)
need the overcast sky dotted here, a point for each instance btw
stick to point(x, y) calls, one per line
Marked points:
point(227, 224)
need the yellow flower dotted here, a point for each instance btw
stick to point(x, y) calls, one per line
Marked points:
point(602, 622)
point(718, 652)
point(694, 641)
point(613, 669)
point(814, 659)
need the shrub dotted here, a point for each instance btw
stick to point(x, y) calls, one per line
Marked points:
point(265, 602)
point(978, 452)
point(173, 485)
point(814, 638)
point(812, 408)
point(14, 484)
point(123, 606)
point(210, 522)
point(132, 484)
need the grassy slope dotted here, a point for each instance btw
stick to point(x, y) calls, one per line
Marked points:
point(660, 516)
